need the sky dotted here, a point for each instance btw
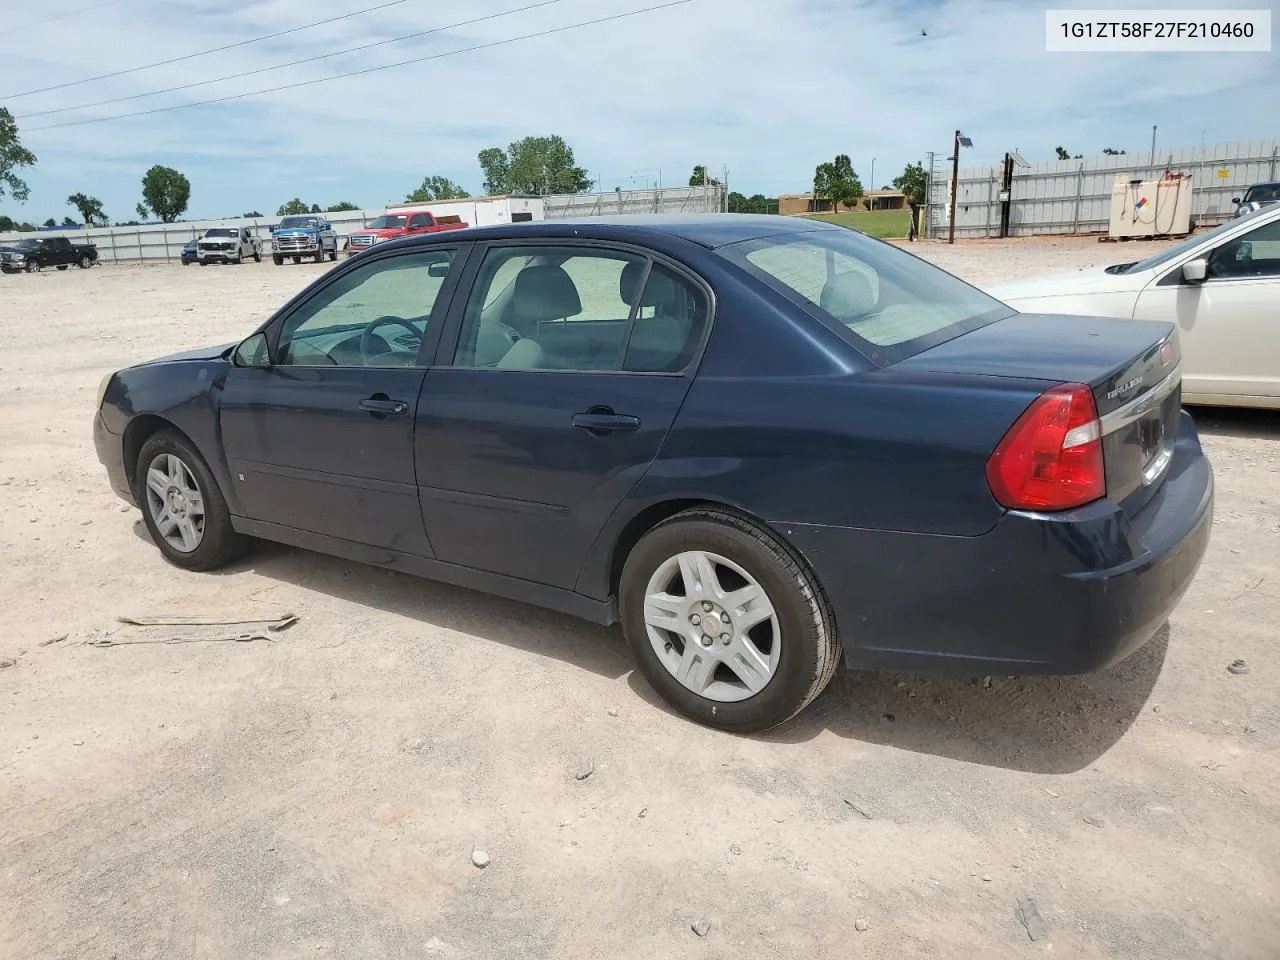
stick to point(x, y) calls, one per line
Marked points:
point(763, 88)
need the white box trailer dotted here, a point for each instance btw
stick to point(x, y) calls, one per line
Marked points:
point(480, 211)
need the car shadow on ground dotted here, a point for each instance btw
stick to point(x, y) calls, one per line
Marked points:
point(1034, 724)
point(1237, 422)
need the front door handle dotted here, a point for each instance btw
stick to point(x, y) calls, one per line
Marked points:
point(380, 405)
point(601, 421)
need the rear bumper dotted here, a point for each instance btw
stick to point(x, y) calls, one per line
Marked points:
point(110, 447)
point(1062, 593)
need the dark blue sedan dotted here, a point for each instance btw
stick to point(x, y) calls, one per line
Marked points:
point(763, 444)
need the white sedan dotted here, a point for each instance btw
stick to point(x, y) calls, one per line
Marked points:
point(1221, 288)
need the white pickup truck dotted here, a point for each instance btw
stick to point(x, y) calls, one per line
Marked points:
point(227, 245)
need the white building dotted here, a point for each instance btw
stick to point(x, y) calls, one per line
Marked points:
point(480, 211)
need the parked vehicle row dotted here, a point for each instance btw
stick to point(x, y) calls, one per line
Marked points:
point(33, 254)
point(766, 446)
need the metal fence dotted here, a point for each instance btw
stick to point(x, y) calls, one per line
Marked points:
point(1074, 196)
point(161, 242)
point(700, 199)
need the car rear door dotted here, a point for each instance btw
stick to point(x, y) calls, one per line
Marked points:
point(1228, 324)
point(320, 438)
point(560, 376)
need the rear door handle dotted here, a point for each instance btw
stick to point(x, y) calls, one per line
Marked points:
point(605, 421)
point(380, 405)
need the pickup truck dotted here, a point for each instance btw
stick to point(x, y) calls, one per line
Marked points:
point(403, 223)
point(303, 236)
point(227, 245)
point(33, 254)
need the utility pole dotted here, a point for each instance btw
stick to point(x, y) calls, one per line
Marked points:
point(872, 185)
point(1153, 148)
point(955, 177)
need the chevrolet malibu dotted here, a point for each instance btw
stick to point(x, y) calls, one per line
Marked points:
point(765, 446)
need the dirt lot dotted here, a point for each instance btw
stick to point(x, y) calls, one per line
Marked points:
point(321, 796)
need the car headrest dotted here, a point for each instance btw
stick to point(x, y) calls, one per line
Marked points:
point(847, 295)
point(545, 293)
point(659, 291)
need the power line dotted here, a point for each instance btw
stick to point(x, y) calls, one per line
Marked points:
point(367, 70)
point(293, 63)
point(61, 16)
point(205, 53)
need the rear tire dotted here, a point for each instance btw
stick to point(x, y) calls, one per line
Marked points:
point(333, 255)
point(782, 649)
point(207, 521)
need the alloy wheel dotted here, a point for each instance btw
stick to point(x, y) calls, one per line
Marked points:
point(175, 502)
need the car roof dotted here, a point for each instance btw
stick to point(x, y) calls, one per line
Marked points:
point(1265, 183)
point(710, 230)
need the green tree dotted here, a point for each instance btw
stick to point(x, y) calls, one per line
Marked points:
point(13, 156)
point(90, 208)
point(737, 203)
point(166, 193)
point(51, 222)
point(251, 213)
point(68, 222)
point(437, 188)
point(912, 182)
point(25, 227)
point(143, 214)
point(836, 181)
point(342, 207)
point(1112, 152)
point(7, 224)
point(493, 162)
point(1064, 155)
point(699, 177)
point(315, 208)
point(293, 208)
point(534, 165)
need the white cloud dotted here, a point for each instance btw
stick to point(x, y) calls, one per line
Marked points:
point(765, 87)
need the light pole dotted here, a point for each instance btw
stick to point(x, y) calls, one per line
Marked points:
point(960, 141)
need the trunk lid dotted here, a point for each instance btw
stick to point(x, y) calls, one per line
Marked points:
point(1133, 368)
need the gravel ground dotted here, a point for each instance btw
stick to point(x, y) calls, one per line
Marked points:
point(329, 793)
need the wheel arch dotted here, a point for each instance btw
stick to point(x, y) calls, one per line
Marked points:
point(140, 429)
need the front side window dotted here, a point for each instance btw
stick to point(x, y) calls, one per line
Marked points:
point(418, 220)
point(888, 303)
point(1254, 254)
point(377, 315)
point(583, 309)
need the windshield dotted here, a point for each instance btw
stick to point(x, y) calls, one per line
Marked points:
point(220, 232)
point(387, 223)
point(1263, 193)
point(25, 244)
point(888, 303)
point(1194, 240)
point(293, 222)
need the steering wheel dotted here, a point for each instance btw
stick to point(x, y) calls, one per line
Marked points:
point(366, 335)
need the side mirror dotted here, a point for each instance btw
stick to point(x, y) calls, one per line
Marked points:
point(253, 352)
point(1235, 200)
point(1195, 271)
point(328, 225)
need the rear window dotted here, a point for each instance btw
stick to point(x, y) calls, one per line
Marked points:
point(886, 302)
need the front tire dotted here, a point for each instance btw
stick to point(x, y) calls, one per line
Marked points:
point(257, 256)
point(33, 266)
point(771, 647)
point(183, 508)
point(85, 262)
point(277, 259)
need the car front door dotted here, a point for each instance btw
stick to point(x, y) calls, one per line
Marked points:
point(1228, 324)
point(571, 361)
point(319, 432)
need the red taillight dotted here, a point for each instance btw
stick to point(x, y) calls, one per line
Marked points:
point(1051, 458)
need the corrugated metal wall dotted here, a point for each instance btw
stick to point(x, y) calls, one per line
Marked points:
point(700, 199)
point(163, 242)
point(1074, 196)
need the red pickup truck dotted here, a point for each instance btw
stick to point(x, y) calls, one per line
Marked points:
point(403, 223)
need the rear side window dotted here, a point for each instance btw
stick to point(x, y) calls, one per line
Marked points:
point(889, 304)
point(585, 309)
